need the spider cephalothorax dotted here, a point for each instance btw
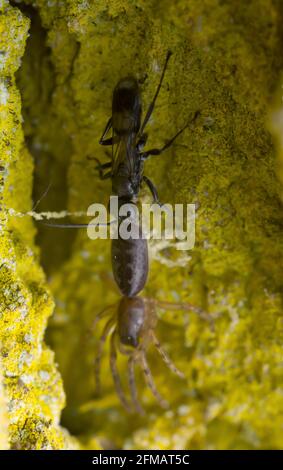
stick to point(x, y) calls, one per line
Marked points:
point(131, 331)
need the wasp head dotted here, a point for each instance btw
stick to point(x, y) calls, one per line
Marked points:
point(126, 106)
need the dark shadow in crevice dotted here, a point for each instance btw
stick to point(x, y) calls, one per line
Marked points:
point(46, 140)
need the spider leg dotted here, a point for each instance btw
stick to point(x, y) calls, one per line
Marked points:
point(99, 317)
point(132, 384)
point(97, 361)
point(150, 382)
point(189, 307)
point(165, 357)
point(115, 373)
point(123, 350)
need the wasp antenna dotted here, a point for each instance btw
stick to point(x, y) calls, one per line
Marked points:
point(196, 115)
point(42, 196)
point(65, 225)
point(77, 225)
point(152, 104)
point(169, 53)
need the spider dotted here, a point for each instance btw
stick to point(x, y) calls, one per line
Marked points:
point(131, 330)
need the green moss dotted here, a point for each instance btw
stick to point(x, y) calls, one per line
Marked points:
point(226, 63)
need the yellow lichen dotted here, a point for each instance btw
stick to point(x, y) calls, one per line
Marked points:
point(226, 63)
point(4, 439)
point(33, 388)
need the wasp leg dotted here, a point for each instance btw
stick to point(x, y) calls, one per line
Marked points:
point(132, 384)
point(168, 144)
point(115, 373)
point(165, 357)
point(151, 106)
point(152, 189)
point(106, 130)
point(102, 166)
point(150, 382)
point(97, 361)
point(141, 142)
point(109, 141)
point(105, 176)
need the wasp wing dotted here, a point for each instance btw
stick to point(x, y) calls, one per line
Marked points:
point(123, 153)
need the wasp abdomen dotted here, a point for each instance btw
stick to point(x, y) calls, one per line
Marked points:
point(130, 265)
